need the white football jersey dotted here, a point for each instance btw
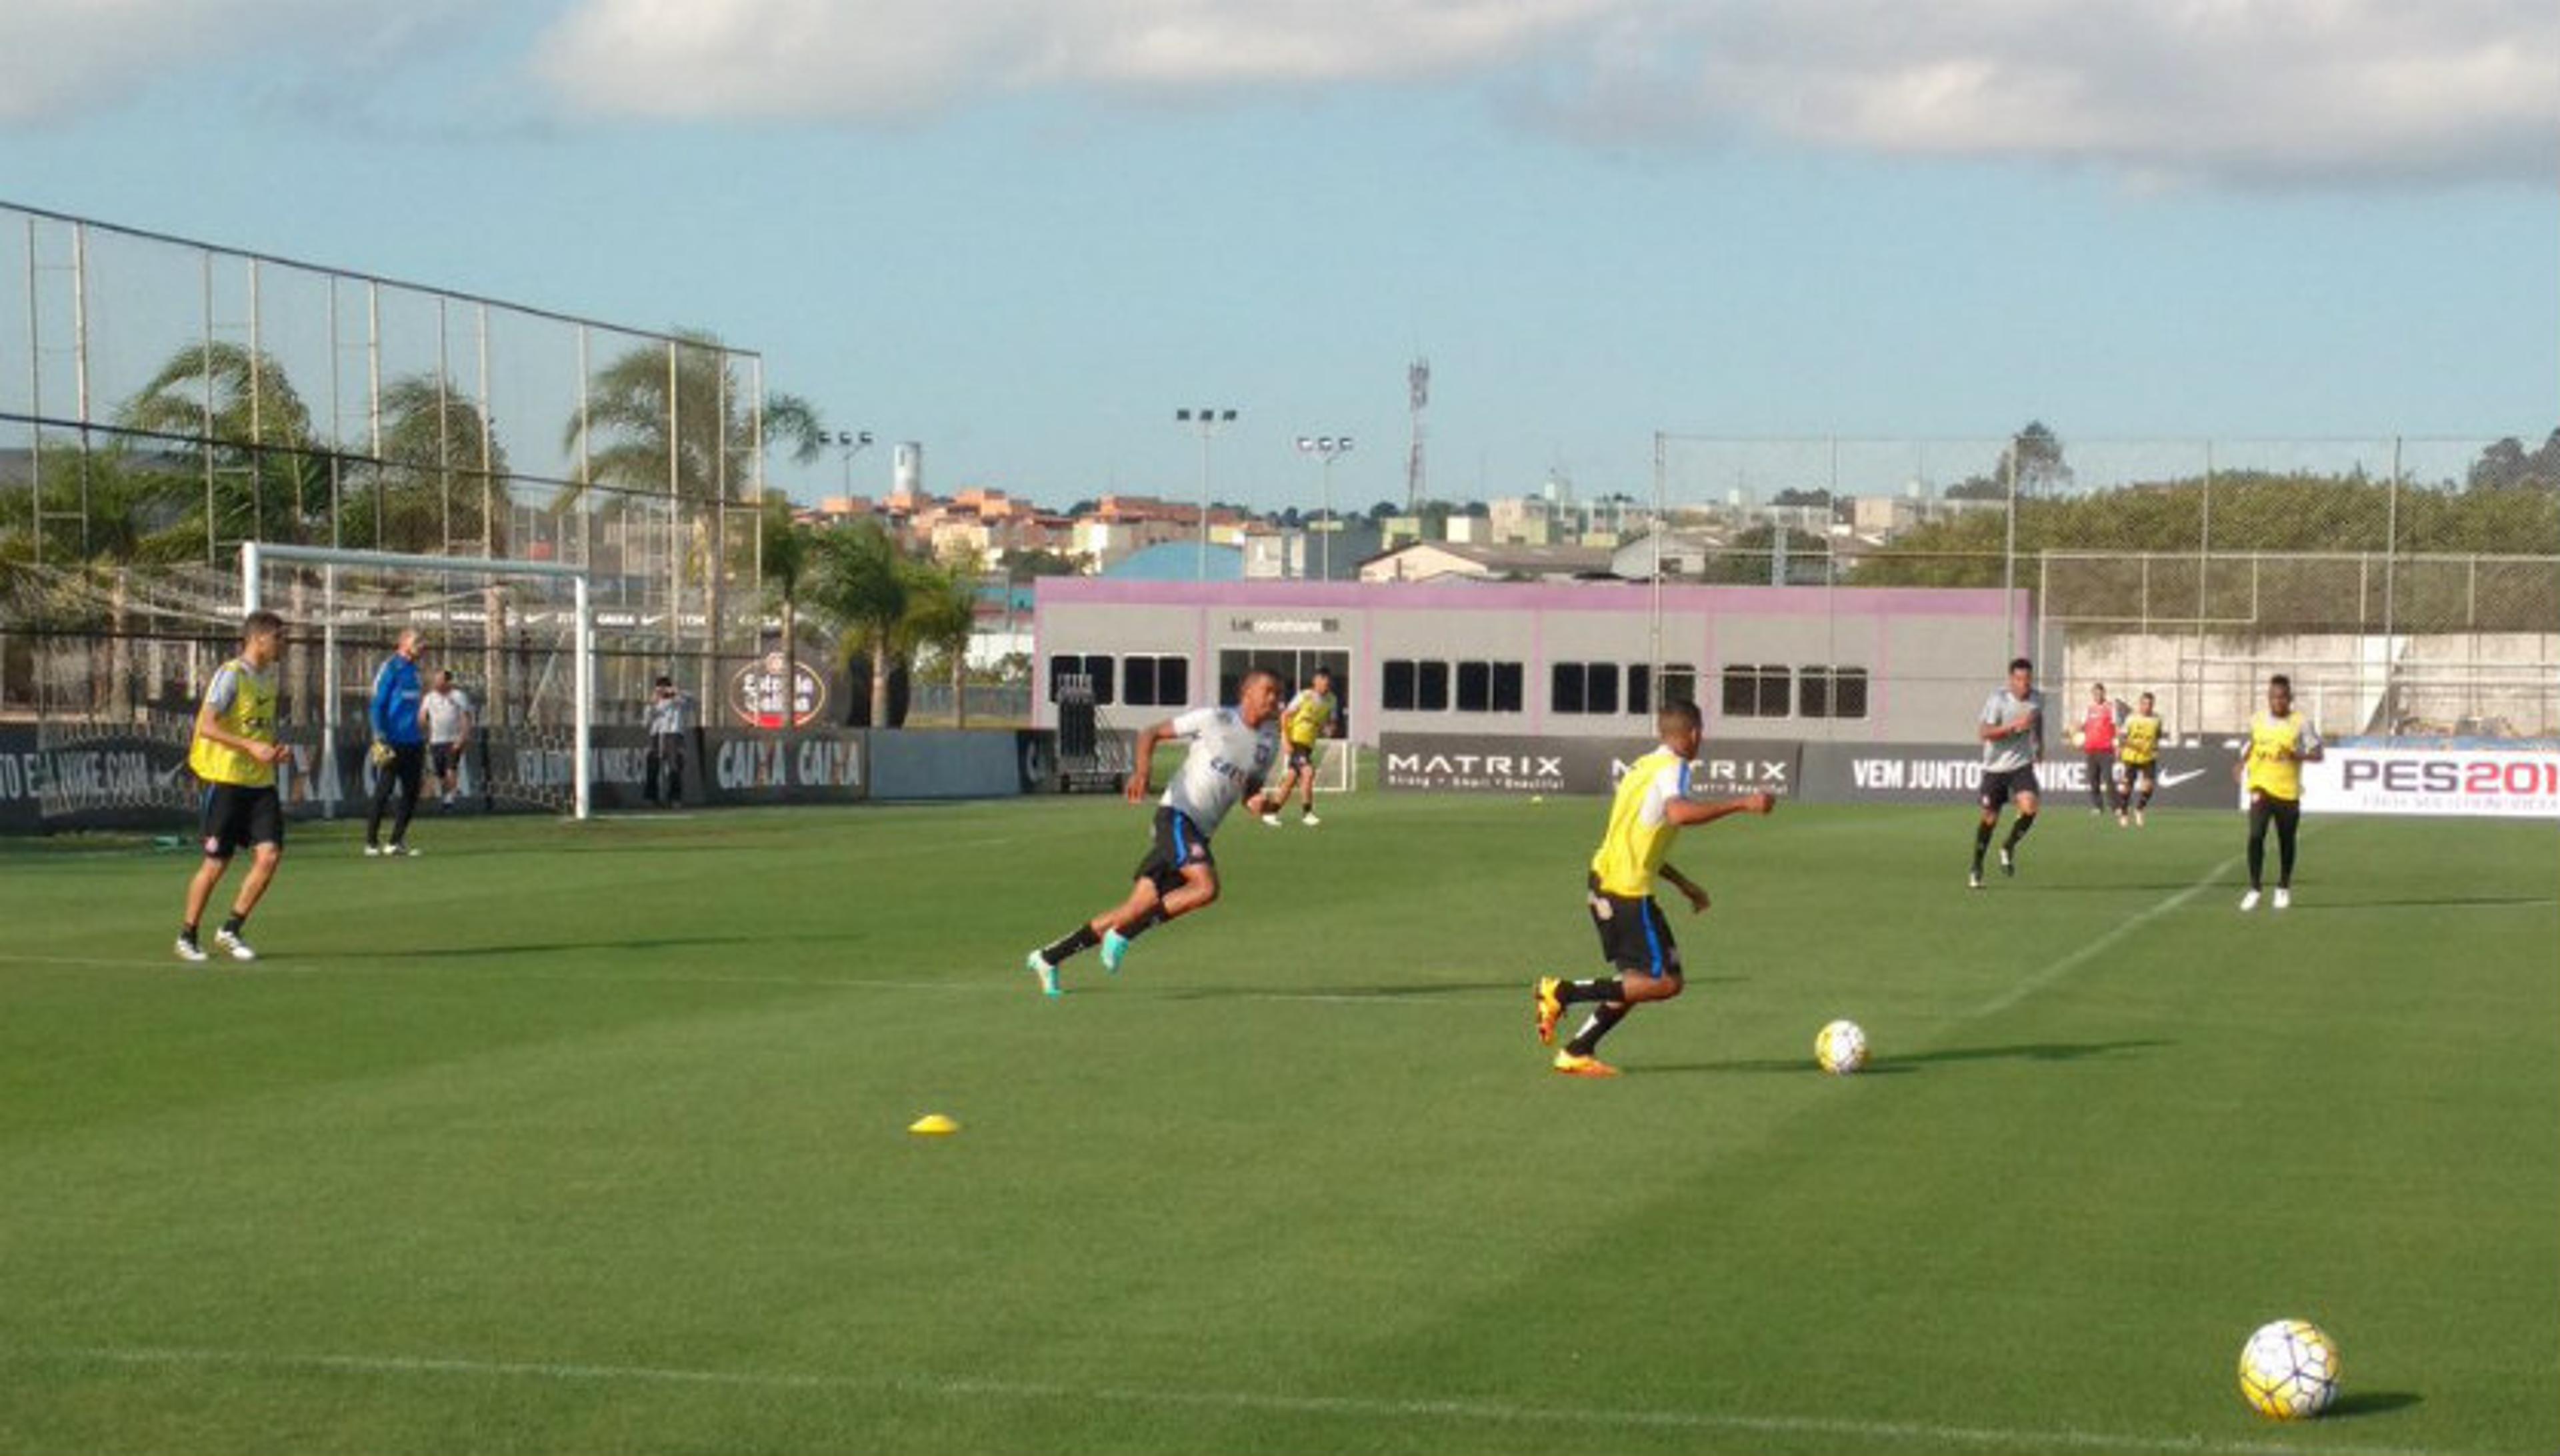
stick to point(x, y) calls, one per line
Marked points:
point(1227, 761)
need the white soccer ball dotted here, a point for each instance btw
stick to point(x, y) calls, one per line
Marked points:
point(2288, 1370)
point(1841, 1048)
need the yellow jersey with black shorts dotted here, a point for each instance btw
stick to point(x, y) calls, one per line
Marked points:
point(240, 805)
point(1302, 721)
point(1632, 934)
point(2277, 746)
point(2140, 748)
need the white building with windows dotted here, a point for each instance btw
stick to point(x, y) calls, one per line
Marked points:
point(1582, 659)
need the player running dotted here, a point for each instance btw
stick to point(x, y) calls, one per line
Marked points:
point(1308, 717)
point(2139, 753)
point(235, 754)
point(2281, 742)
point(1231, 752)
point(2097, 737)
point(2012, 733)
point(1650, 810)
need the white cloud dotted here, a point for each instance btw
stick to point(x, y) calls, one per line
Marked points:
point(61, 59)
point(2232, 89)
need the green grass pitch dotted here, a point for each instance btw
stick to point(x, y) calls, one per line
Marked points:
point(593, 1138)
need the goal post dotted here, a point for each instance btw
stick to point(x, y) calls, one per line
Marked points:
point(389, 591)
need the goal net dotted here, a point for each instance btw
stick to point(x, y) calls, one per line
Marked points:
point(514, 635)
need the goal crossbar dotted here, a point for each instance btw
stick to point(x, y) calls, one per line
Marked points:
point(256, 554)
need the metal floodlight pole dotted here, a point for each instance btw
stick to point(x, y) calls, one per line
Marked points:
point(853, 442)
point(1208, 422)
point(1324, 448)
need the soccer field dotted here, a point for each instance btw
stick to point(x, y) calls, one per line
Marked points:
point(593, 1138)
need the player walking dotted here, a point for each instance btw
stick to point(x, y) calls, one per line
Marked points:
point(2098, 746)
point(2139, 753)
point(448, 733)
point(2012, 733)
point(398, 711)
point(2281, 742)
point(1231, 752)
point(1307, 718)
point(1651, 808)
point(235, 754)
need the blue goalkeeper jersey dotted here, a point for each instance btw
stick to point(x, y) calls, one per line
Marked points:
point(398, 694)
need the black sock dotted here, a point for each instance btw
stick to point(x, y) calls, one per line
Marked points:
point(1603, 1016)
point(1982, 842)
point(1612, 989)
point(1153, 917)
point(2019, 831)
point(1080, 939)
point(235, 921)
point(186, 931)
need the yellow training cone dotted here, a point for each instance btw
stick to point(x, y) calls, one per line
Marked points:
point(933, 1124)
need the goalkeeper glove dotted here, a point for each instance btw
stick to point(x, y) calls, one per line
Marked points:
point(380, 753)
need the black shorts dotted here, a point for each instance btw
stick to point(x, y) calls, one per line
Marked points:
point(237, 814)
point(1999, 788)
point(444, 757)
point(1301, 758)
point(2140, 773)
point(1634, 937)
point(1178, 842)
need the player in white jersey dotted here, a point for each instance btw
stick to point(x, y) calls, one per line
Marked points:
point(1231, 752)
point(2011, 729)
point(447, 709)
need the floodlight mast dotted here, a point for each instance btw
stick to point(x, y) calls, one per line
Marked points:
point(256, 554)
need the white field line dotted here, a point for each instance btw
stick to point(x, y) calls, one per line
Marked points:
point(966, 1387)
point(2021, 990)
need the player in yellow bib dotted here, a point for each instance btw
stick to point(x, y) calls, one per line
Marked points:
point(2139, 753)
point(235, 754)
point(2281, 742)
point(1307, 718)
point(1652, 806)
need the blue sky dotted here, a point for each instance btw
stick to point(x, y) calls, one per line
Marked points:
point(1022, 232)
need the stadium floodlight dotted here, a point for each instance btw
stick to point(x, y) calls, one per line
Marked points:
point(256, 556)
point(1207, 421)
point(1324, 448)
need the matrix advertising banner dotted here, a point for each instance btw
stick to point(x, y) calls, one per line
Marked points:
point(1479, 764)
point(1929, 773)
point(2503, 783)
point(831, 766)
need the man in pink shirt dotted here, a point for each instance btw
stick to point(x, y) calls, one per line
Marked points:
point(2097, 737)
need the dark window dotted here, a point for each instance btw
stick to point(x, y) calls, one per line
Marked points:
point(1508, 694)
point(1755, 692)
point(1156, 681)
point(1831, 692)
point(1640, 684)
point(1431, 686)
point(1564, 694)
point(1395, 684)
point(1680, 685)
point(1474, 687)
point(1098, 667)
point(1600, 687)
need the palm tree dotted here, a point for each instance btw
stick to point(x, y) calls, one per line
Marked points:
point(942, 611)
point(433, 488)
point(269, 479)
point(670, 420)
point(860, 582)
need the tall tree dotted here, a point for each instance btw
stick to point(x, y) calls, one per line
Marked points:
point(269, 480)
point(789, 552)
point(671, 419)
point(942, 613)
point(860, 583)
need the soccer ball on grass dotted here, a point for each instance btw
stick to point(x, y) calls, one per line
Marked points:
point(2288, 1370)
point(1841, 1048)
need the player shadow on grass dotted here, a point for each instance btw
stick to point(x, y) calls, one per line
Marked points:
point(454, 951)
point(1372, 990)
point(1918, 1060)
point(2370, 1402)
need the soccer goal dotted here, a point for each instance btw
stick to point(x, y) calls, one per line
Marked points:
point(1336, 765)
point(518, 637)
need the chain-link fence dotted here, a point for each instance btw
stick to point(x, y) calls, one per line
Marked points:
point(2411, 588)
point(162, 402)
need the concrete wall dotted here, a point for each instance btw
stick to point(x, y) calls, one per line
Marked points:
point(1930, 656)
point(2209, 685)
